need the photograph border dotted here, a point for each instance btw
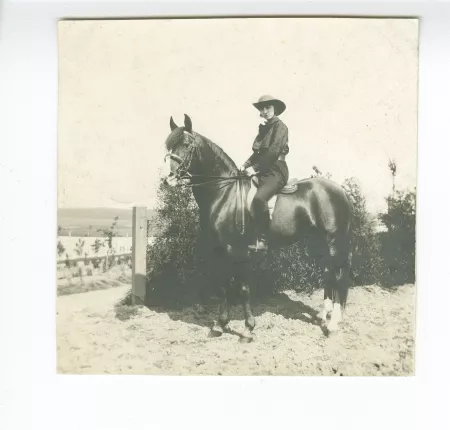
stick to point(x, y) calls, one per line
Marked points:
point(36, 397)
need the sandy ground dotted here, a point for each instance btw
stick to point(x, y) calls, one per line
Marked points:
point(377, 337)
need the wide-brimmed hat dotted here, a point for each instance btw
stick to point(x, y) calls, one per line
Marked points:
point(265, 100)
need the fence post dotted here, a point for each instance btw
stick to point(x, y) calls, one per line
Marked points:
point(139, 255)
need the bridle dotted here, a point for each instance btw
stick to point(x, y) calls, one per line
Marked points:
point(184, 165)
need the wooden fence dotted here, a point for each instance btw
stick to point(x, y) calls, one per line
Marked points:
point(138, 255)
point(89, 258)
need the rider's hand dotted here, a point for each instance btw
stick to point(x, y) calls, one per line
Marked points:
point(242, 169)
point(251, 171)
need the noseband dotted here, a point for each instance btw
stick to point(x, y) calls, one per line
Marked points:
point(173, 157)
point(179, 160)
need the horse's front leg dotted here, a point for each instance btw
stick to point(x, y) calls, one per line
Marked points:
point(242, 270)
point(221, 279)
point(224, 315)
point(202, 290)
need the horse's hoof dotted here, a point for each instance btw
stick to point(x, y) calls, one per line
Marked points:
point(245, 339)
point(324, 316)
point(332, 329)
point(227, 329)
point(215, 333)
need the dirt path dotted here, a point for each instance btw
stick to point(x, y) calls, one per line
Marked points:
point(376, 338)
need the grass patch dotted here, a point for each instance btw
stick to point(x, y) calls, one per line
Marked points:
point(86, 286)
point(125, 309)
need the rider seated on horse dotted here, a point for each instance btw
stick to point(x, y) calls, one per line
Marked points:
point(267, 161)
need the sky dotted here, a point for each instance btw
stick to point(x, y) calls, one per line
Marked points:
point(350, 86)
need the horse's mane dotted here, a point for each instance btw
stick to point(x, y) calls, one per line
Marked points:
point(174, 139)
point(220, 153)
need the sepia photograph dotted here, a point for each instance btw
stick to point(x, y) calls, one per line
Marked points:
point(237, 196)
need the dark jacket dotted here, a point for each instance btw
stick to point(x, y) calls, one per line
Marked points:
point(269, 144)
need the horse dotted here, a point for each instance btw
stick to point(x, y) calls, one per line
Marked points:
point(318, 208)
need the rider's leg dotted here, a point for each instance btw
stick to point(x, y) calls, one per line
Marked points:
point(269, 186)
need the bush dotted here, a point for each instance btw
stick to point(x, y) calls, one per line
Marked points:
point(79, 247)
point(295, 266)
point(365, 246)
point(109, 233)
point(97, 245)
point(172, 259)
point(398, 244)
point(292, 267)
point(60, 249)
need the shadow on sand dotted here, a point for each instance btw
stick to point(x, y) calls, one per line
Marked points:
point(279, 304)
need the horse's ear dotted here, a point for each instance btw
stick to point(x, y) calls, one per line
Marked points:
point(187, 124)
point(173, 126)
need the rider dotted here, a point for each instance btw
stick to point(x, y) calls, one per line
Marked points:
point(270, 148)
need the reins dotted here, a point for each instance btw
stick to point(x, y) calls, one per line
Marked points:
point(240, 213)
point(211, 181)
point(215, 179)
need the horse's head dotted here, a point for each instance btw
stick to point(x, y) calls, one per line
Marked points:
point(180, 146)
point(189, 155)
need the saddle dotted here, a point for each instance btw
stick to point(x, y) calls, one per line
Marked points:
point(245, 201)
point(289, 188)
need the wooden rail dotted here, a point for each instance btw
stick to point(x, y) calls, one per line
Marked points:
point(93, 257)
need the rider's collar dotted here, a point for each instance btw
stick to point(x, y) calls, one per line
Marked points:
point(272, 120)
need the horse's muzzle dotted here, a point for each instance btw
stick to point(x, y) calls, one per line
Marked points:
point(171, 180)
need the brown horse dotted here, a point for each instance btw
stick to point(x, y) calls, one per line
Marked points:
point(318, 209)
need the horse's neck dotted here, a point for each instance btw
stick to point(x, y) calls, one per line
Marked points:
point(207, 171)
point(214, 162)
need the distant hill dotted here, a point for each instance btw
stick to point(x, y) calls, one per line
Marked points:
point(87, 221)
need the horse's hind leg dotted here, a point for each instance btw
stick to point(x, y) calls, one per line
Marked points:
point(319, 247)
point(327, 294)
point(338, 279)
point(336, 314)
